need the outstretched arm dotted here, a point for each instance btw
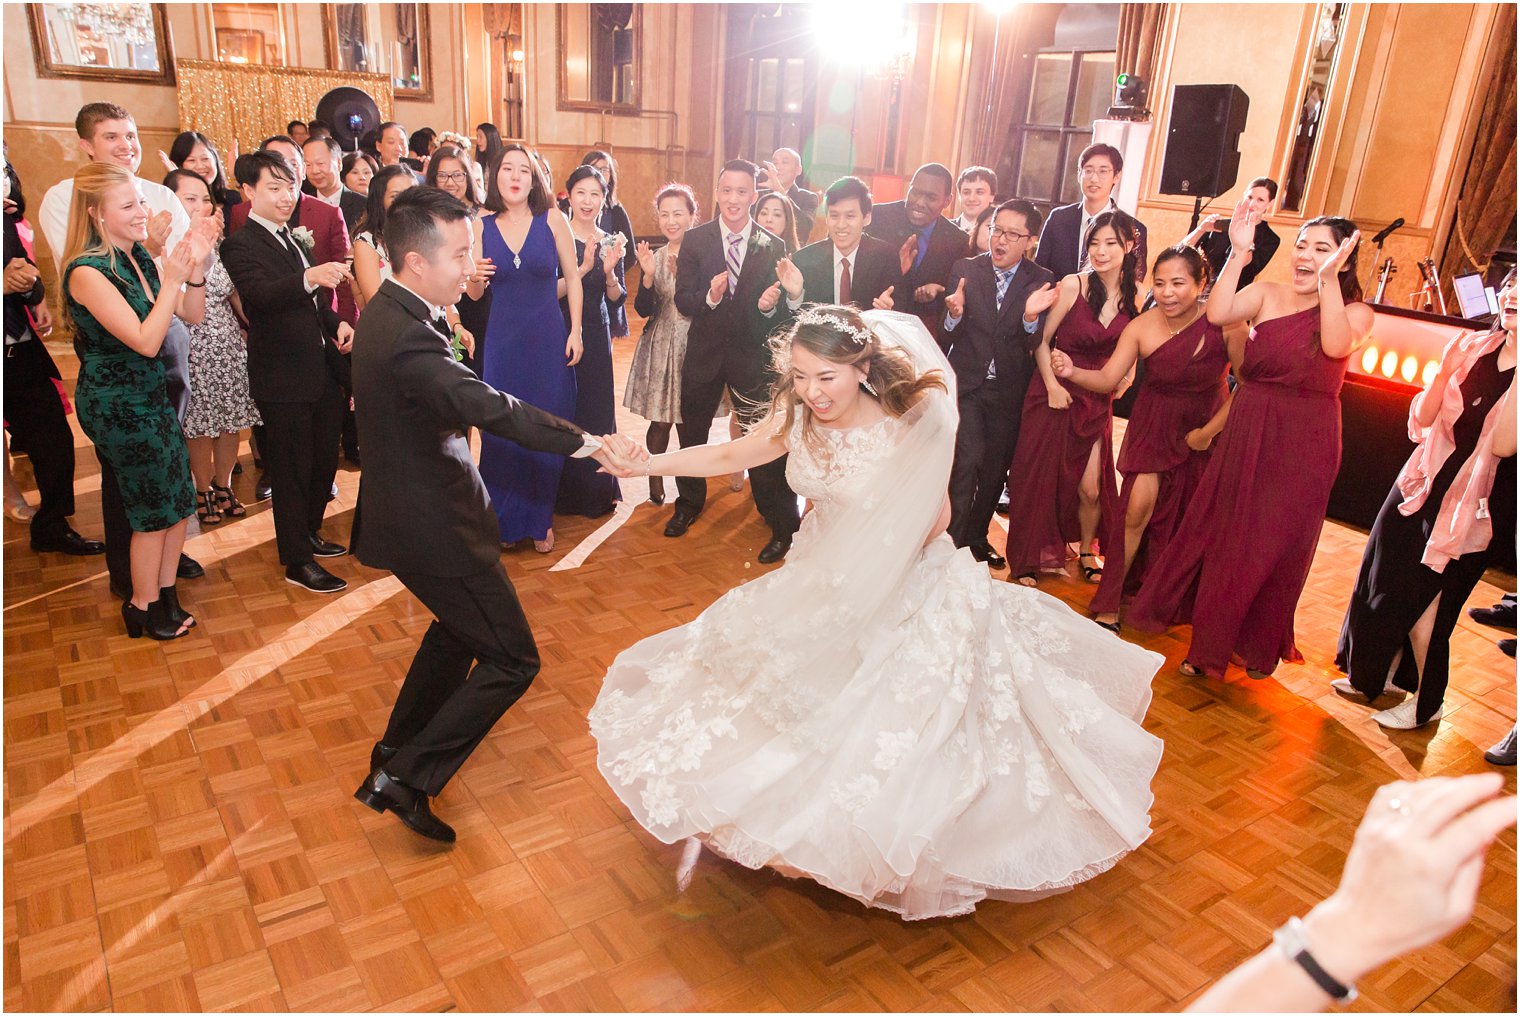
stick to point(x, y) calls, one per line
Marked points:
point(756, 448)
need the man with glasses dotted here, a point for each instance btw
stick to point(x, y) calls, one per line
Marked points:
point(993, 316)
point(1061, 248)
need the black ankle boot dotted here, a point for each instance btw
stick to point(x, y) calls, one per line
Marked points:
point(177, 614)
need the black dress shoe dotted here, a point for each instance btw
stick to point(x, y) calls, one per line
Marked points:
point(1500, 615)
point(1507, 647)
point(262, 491)
point(1002, 508)
point(189, 568)
point(380, 754)
point(67, 542)
point(679, 523)
point(384, 794)
point(314, 577)
point(326, 548)
point(991, 557)
point(775, 550)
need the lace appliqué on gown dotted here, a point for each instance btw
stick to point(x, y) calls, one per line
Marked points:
point(955, 740)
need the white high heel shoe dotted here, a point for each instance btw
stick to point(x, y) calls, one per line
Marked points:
point(1402, 716)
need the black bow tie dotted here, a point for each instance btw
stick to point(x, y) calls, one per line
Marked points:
point(441, 325)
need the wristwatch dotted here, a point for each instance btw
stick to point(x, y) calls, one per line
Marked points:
point(1290, 938)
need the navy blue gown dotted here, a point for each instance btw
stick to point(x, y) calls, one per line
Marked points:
point(524, 350)
point(583, 490)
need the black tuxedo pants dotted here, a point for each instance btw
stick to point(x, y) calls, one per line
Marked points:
point(35, 417)
point(445, 708)
point(300, 450)
point(984, 445)
point(774, 500)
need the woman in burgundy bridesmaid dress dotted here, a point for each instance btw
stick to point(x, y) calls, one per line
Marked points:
point(1243, 551)
point(1061, 485)
point(1181, 407)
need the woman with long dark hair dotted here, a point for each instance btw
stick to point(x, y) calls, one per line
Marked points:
point(1244, 548)
point(488, 145)
point(614, 220)
point(1061, 486)
point(583, 488)
point(359, 168)
point(527, 351)
point(1179, 411)
point(452, 171)
point(194, 152)
point(372, 265)
point(775, 212)
point(1430, 543)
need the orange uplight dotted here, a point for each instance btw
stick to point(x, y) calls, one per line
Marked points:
point(1369, 359)
point(1429, 373)
point(1410, 368)
point(1390, 363)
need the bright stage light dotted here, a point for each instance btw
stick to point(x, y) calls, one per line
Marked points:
point(862, 34)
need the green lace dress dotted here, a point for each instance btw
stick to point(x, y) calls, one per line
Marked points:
point(123, 403)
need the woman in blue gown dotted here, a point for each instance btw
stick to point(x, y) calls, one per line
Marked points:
point(583, 490)
point(528, 353)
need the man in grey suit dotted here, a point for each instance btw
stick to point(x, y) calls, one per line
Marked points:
point(415, 403)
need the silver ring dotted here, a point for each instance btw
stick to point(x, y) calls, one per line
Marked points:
point(1399, 805)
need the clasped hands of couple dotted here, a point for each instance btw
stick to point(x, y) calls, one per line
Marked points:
point(621, 456)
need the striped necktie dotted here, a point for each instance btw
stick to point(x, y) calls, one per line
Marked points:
point(735, 261)
point(1004, 277)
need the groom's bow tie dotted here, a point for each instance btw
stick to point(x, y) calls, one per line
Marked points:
point(441, 326)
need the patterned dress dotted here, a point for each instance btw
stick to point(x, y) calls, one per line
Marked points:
point(123, 402)
point(219, 399)
point(654, 377)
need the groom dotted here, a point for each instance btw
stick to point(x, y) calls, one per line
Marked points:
point(415, 403)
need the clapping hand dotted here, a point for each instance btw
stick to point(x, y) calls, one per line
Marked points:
point(645, 254)
point(790, 277)
point(928, 292)
point(955, 303)
point(770, 298)
point(1331, 269)
point(203, 236)
point(1040, 300)
point(907, 253)
point(718, 287)
point(180, 263)
point(169, 165)
point(1060, 364)
point(159, 227)
point(884, 301)
point(612, 253)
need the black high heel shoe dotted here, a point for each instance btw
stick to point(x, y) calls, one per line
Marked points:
point(170, 596)
point(657, 490)
point(154, 621)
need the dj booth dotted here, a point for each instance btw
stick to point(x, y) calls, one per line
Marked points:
point(1385, 375)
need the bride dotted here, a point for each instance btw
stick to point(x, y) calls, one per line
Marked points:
point(879, 715)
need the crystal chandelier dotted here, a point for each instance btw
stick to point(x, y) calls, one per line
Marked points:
point(132, 23)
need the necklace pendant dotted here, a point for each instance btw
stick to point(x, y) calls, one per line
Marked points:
point(516, 260)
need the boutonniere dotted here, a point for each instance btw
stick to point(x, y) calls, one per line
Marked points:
point(305, 237)
point(759, 239)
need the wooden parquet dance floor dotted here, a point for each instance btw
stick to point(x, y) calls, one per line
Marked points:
point(179, 830)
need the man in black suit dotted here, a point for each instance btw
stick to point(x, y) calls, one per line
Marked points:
point(781, 175)
point(416, 403)
point(1215, 243)
point(324, 179)
point(928, 244)
point(293, 368)
point(1061, 250)
point(992, 318)
point(725, 266)
point(846, 266)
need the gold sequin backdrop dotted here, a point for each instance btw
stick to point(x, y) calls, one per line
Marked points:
point(246, 103)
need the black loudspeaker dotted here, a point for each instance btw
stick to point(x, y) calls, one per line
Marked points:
point(1203, 140)
point(351, 113)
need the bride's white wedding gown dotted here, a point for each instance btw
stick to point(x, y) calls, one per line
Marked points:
point(880, 715)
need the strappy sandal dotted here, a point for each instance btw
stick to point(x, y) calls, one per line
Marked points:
point(1090, 574)
point(230, 505)
point(1112, 626)
point(1189, 670)
point(545, 545)
point(207, 511)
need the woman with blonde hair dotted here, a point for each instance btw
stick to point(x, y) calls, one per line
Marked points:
point(120, 311)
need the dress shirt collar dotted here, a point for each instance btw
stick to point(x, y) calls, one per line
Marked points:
point(850, 257)
point(269, 224)
point(749, 228)
point(335, 199)
point(434, 309)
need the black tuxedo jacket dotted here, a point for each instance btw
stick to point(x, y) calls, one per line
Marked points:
point(1059, 244)
point(876, 268)
point(986, 334)
point(421, 499)
point(947, 245)
point(289, 354)
point(735, 331)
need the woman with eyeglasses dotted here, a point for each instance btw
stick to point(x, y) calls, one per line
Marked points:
point(452, 171)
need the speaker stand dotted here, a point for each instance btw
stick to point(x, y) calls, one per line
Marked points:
point(1197, 211)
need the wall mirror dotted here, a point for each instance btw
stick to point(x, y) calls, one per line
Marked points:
point(598, 56)
point(102, 41)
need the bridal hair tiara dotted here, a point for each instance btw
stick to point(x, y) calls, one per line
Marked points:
point(818, 316)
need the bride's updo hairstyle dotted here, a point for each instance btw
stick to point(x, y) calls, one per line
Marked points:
point(838, 334)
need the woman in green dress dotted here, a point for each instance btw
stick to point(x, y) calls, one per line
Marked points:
point(120, 313)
